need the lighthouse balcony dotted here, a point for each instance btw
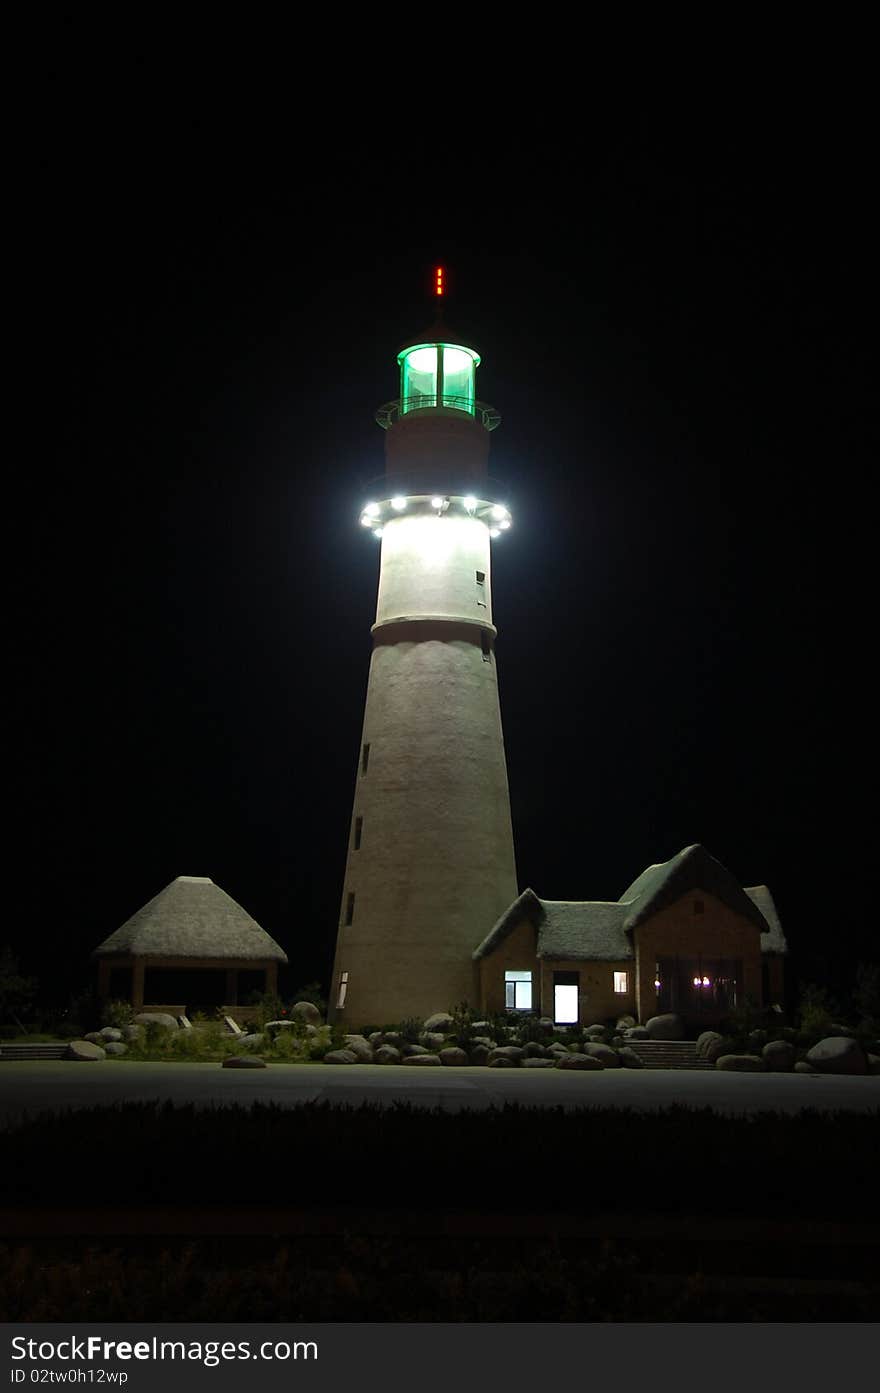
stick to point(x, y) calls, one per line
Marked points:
point(438, 405)
point(376, 514)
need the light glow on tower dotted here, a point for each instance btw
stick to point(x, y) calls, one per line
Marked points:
point(439, 279)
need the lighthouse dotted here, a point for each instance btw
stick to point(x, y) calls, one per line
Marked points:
point(430, 863)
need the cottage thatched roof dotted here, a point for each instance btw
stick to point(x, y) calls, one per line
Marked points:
point(192, 918)
point(599, 931)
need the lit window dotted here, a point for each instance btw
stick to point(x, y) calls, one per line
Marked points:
point(358, 829)
point(349, 909)
point(518, 991)
point(620, 981)
point(343, 988)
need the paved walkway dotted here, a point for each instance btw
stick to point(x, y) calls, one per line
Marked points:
point(59, 1084)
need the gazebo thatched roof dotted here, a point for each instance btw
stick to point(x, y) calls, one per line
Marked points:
point(192, 918)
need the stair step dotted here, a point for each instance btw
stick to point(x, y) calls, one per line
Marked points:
point(41, 1051)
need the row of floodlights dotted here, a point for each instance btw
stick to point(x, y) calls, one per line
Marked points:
point(500, 515)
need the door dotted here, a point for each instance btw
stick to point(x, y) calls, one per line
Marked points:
point(565, 997)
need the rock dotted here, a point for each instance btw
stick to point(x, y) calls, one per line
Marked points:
point(740, 1063)
point(85, 1050)
point(432, 1040)
point(839, 1054)
point(802, 1067)
point(243, 1061)
point(116, 1047)
point(111, 1033)
point(160, 1018)
point(386, 1054)
point(716, 1048)
point(636, 1032)
point(132, 1032)
point(441, 1020)
point(596, 1030)
point(94, 1037)
point(534, 1050)
point(579, 1061)
point(533, 1062)
point(407, 1049)
point(629, 1059)
point(483, 1040)
point(480, 1025)
point(340, 1057)
point(667, 1027)
point(779, 1056)
point(873, 1061)
point(375, 1038)
point(306, 1012)
point(360, 1047)
point(274, 1027)
point(625, 1022)
point(503, 1061)
point(480, 1054)
point(424, 1059)
point(604, 1053)
point(757, 1038)
point(514, 1053)
point(616, 1041)
point(253, 1039)
point(392, 1037)
point(453, 1056)
point(557, 1047)
point(705, 1040)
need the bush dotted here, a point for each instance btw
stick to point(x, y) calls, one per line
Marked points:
point(269, 1008)
point(817, 1011)
point(116, 1013)
point(328, 1037)
point(313, 992)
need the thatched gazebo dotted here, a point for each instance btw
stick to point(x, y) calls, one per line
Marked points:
point(192, 944)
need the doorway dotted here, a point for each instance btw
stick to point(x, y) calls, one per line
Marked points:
point(565, 997)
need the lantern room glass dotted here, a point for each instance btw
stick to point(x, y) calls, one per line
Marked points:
point(437, 374)
point(418, 378)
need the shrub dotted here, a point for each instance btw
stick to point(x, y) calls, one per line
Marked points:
point(117, 1013)
point(328, 1037)
point(313, 992)
point(269, 1008)
point(816, 1008)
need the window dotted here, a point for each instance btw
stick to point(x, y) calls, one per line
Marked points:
point(365, 758)
point(698, 906)
point(343, 988)
point(358, 829)
point(486, 645)
point(481, 588)
point(518, 991)
point(349, 908)
point(620, 981)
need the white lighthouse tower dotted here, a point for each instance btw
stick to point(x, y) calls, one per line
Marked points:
point(430, 863)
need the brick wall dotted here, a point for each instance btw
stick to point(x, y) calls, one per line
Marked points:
point(678, 930)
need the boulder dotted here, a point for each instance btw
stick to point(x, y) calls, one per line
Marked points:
point(407, 1049)
point(441, 1021)
point(85, 1050)
point(111, 1033)
point(480, 1025)
point(839, 1054)
point(756, 1038)
point(625, 1022)
point(667, 1027)
point(514, 1053)
point(705, 1040)
point(534, 1050)
point(253, 1039)
point(486, 1040)
point(557, 1047)
point(116, 1047)
point(545, 1023)
point(779, 1056)
point(453, 1056)
point(616, 1041)
point(243, 1061)
point(132, 1032)
point(392, 1037)
point(637, 1032)
point(596, 1029)
point(579, 1061)
point(432, 1040)
point(159, 1017)
point(360, 1047)
point(376, 1039)
point(802, 1067)
point(386, 1054)
point(423, 1059)
point(604, 1053)
point(629, 1059)
point(533, 1062)
point(503, 1061)
point(306, 1012)
point(94, 1037)
point(274, 1027)
point(480, 1054)
point(340, 1057)
point(716, 1048)
point(740, 1063)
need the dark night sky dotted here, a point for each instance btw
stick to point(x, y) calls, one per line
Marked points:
point(670, 329)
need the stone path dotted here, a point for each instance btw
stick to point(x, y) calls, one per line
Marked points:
point(38, 1086)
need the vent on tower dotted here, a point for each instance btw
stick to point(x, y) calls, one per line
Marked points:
point(349, 909)
point(358, 829)
point(365, 758)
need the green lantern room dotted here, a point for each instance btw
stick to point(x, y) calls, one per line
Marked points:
point(437, 374)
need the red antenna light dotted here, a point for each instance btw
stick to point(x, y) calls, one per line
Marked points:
point(439, 286)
